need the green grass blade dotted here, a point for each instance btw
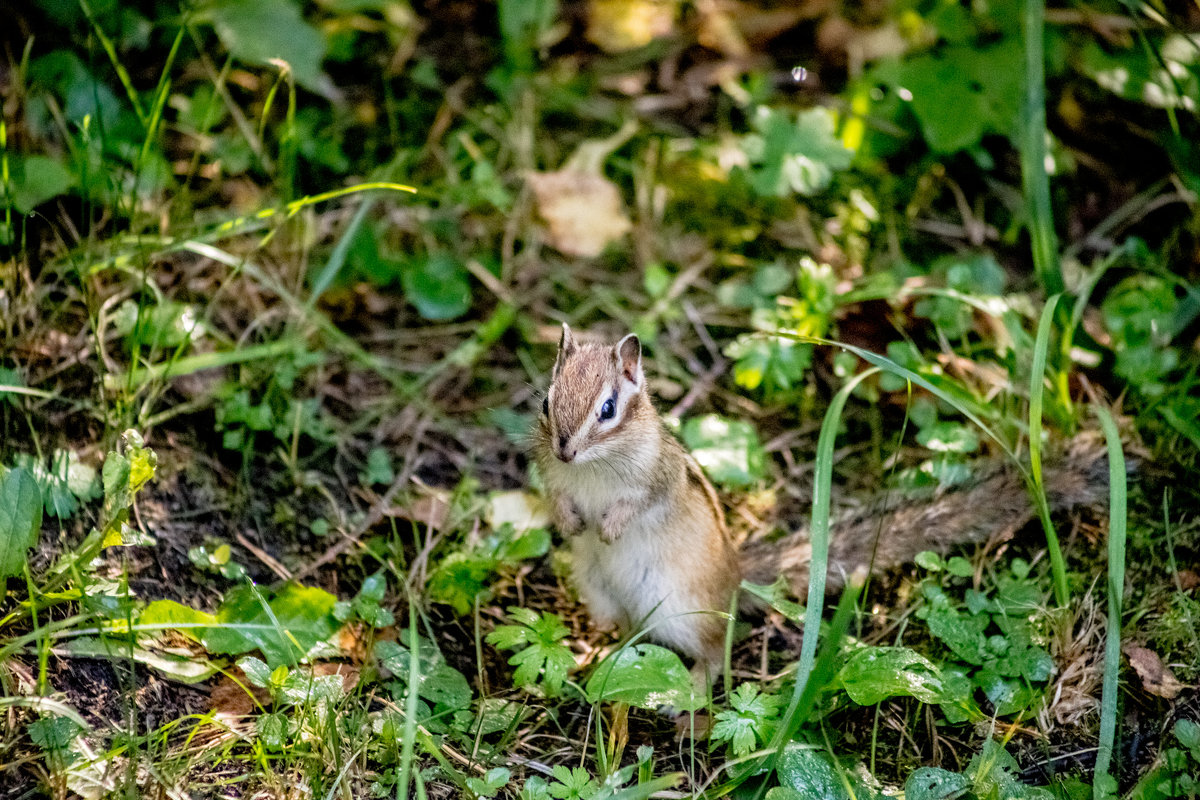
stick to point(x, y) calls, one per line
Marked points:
point(1037, 377)
point(1103, 784)
point(337, 259)
point(411, 704)
point(822, 486)
point(887, 365)
point(201, 361)
point(1033, 153)
point(122, 73)
point(161, 93)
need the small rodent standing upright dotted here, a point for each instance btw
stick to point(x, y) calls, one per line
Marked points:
point(649, 542)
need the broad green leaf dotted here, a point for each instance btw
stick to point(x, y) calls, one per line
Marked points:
point(295, 620)
point(10, 377)
point(272, 729)
point(1007, 695)
point(492, 715)
point(874, 673)
point(36, 179)
point(646, 676)
point(728, 449)
point(167, 613)
point(256, 670)
point(20, 519)
point(54, 734)
point(64, 483)
point(444, 685)
point(438, 286)
point(962, 92)
point(116, 483)
point(260, 31)
point(439, 682)
point(810, 774)
point(933, 783)
point(458, 579)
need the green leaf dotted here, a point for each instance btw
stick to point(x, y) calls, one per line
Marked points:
point(168, 613)
point(728, 449)
point(259, 31)
point(10, 377)
point(962, 633)
point(572, 783)
point(543, 655)
point(256, 671)
point(1007, 695)
point(646, 676)
point(1188, 734)
point(810, 774)
point(458, 579)
point(379, 467)
point(20, 519)
point(949, 437)
point(439, 683)
point(36, 179)
point(293, 621)
point(933, 783)
point(871, 674)
point(116, 483)
point(778, 597)
point(797, 156)
point(963, 92)
point(272, 729)
point(749, 721)
point(437, 286)
point(443, 685)
point(55, 734)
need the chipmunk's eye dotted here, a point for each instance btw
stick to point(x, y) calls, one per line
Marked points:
point(608, 409)
point(546, 405)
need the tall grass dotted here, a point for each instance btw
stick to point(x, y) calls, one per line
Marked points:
point(1033, 152)
point(1103, 784)
point(1037, 379)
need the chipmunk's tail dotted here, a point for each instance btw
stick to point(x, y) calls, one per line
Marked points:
point(991, 507)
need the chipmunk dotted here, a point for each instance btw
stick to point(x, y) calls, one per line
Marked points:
point(649, 541)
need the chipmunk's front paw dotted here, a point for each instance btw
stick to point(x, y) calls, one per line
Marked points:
point(569, 520)
point(612, 524)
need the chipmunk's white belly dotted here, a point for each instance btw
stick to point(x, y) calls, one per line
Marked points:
point(636, 580)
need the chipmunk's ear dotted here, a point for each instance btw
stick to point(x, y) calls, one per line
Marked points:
point(566, 348)
point(628, 356)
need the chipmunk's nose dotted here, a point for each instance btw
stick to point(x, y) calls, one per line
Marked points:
point(565, 454)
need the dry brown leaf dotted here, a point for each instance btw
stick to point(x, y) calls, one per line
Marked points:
point(1157, 677)
point(228, 699)
point(429, 509)
point(1188, 579)
point(583, 211)
point(619, 25)
point(348, 672)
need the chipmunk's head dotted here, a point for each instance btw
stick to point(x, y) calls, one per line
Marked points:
point(596, 392)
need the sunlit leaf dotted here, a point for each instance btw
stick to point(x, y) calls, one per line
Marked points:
point(646, 676)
